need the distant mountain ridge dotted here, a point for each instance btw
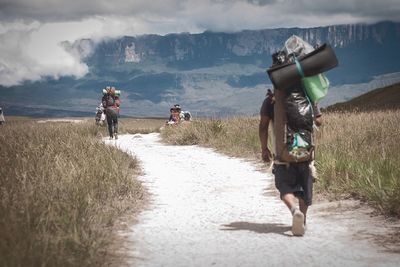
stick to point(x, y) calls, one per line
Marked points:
point(207, 73)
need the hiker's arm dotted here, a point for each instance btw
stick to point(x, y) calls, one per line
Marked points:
point(318, 115)
point(263, 135)
point(318, 120)
point(104, 102)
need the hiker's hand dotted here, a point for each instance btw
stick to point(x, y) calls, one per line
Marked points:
point(266, 155)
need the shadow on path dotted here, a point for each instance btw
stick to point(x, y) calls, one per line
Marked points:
point(261, 228)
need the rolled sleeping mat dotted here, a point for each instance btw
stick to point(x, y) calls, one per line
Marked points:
point(320, 60)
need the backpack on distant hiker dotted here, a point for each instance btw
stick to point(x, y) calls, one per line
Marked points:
point(111, 98)
point(293, 108)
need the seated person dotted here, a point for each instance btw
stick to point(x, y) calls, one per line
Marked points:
point(175, 114)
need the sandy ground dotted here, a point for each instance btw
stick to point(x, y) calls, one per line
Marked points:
point(208, 209)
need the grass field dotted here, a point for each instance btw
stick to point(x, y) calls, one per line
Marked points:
point(62, 191)
point(357, 152)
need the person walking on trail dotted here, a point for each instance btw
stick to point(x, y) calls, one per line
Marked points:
point(111, 104)
point(2, 120)
point(293, 180)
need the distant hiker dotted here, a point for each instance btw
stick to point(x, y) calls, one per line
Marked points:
point(292, 179)
point(111, 103)
point(175, 116)
point(2, 120)
point(100, 117)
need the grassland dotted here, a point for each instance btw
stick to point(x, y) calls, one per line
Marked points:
point(62, 192)
point(357, 152)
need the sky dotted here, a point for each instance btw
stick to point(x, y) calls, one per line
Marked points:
point(33, 32)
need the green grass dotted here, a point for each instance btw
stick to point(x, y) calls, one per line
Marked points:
point(61, 192)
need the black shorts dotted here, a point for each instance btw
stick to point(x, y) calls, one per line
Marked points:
point(294, 178)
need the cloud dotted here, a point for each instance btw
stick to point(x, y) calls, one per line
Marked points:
point(36, 51)
point(258, 13)
point(32, 33)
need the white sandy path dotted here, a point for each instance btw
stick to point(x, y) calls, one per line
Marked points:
point(211, 210)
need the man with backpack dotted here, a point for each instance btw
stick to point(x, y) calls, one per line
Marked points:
point(292, 179)
point(111, 103)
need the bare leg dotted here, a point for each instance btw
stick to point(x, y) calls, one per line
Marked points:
point(298, 216)
point(303, 208)
point(290, 201)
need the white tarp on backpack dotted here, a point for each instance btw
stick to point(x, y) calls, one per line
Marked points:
point(297, 46)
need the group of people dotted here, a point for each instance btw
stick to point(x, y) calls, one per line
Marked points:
point(295, 172)
point(293, 180)
point(177, 115)
point(110, 105)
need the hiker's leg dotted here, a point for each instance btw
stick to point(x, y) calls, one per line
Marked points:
point(303, 208)
point(306, 181)
point(290, 201)
point(116, 125)
point(109, 123)
point(286, 183)
point(298, 227)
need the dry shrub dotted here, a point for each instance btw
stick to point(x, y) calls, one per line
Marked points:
point(143, 126)
point(235, 136)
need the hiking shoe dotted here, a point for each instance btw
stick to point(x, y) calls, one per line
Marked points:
point(298, 228)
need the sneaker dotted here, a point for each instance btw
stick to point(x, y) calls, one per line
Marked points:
point(298, 228)
point(110, 138)
point(116, 136)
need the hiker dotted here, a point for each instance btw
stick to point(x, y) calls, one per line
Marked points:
point(294, 179)
point(2, 120)
point(175, 114)
point(100, 117)
point(111, 103)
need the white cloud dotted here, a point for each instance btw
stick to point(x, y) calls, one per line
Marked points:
point(36, 51)
point(32, 32)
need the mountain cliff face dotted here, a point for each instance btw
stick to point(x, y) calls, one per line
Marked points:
point(210, 72)
point(212, 47)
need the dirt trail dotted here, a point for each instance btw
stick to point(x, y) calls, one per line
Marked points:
point(211, 210)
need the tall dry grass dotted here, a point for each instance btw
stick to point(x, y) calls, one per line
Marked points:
point(61, 191)
point(357, 153)
point(235, 136)
point(143, 126)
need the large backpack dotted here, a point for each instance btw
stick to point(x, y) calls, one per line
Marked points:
point(293, 111)
point(293, 122)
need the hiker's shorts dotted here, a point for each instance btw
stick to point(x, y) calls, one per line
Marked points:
point(294, 178)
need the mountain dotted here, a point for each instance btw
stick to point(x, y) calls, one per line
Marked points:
point(381, 99)
point(210, 73)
